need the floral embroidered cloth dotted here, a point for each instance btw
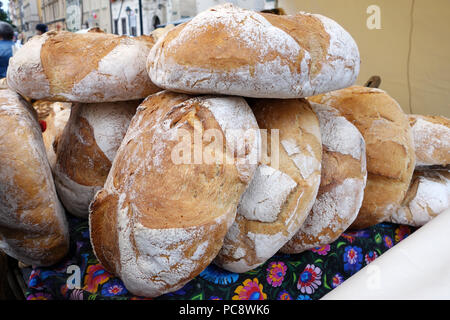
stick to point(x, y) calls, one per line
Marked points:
point(305, 276)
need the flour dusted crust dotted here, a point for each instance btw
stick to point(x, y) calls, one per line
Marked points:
point(55, 123)
point(158, 222)
point(343, 179)
point(90, 67)
point(86, 150)
point(431, 139)
point(278, 199)
point(233, 51)
point(427, 197)
point(389, 148)
point(33, 227)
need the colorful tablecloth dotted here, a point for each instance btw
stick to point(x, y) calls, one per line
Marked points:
point(305, 276)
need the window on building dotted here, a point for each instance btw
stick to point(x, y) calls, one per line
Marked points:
point(124, 25)
point(116, 26)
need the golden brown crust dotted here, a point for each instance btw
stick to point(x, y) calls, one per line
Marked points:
point(103, 235)
point(33, 228)
point(68, 57)
point(342, 182)
point(87, 67)
point(228, 50)
point(251, 241)
point(183, 209)
point(389, 148)
point(428, 196)
point(432, 139)
point(309, 33)
point(167, 211)
point(86, 150)
point(81, 158)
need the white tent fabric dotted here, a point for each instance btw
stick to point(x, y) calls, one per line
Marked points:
point(416, 268)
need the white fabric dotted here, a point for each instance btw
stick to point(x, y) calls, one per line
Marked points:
point(416, 268)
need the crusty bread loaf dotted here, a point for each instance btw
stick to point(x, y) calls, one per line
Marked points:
point(431, 139)
point(342, 183)
point(33, 227)
point(389, 148)
point(233, 51)
point(56, 121)
point(86, 150)
point(161, 32)
point(427, 197)
point(89, 67)
point(158, 221)
point(281, 194)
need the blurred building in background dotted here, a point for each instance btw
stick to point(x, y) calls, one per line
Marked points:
point(125, 17)
point(15, 12)
point(53, 14)
point(126, 14)
point(96, 13)
point(25, 14)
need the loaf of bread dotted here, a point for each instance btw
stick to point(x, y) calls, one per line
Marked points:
point(233, 51)
point(284, 188)
point(431, 139)
point(90, 67)
point(86, 150)
point(342, 183)
point(55, 123)
point(161, 32)
point(389, 148)
point(33, 226)
point(173, 190)
point(427, 197)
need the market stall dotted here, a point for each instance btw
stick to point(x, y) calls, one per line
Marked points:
point(231, 157)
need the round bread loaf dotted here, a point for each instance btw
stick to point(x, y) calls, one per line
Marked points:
point(342, 183)
point(161, 217)
point(284, 188)
point(56, 121)
point(86, 150)
point(427, 197)
point(233, 51)
point(431, 139)
point(33, 226)
point(90, 67)
point(389, 148)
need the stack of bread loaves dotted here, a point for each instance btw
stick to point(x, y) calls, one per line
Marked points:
point(191, 183)
point(103, 76)
point(233, 136)
point(429, 192)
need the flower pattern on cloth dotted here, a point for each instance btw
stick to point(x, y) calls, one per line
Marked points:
point(275, 273)
point(309, 279)
point(352, 259)
point(305, 276)
point(250, 290)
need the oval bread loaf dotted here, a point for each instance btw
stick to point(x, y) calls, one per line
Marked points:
point(284, 188)
point(342, 183)
point(233, 51)
point(86, 150)
point(90, 67)
point(56, 122)
point(173, 189)
point(33, 226)
point(389, 148)
point(427, 197)
point(431, 139)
